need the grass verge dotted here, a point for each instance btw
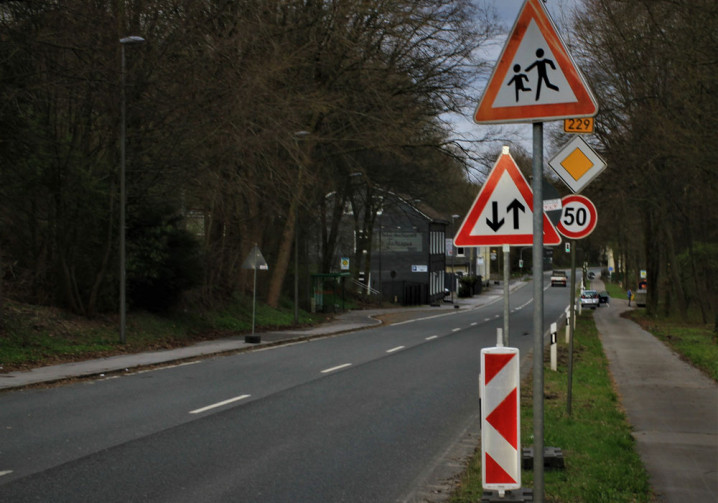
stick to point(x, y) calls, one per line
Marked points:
point(602, 464)
point(695, 342)
point(33, 336)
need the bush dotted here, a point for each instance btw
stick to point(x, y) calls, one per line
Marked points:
point(469, 286)
point(163, 260)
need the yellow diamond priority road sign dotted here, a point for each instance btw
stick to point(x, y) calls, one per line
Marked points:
point(577, 164)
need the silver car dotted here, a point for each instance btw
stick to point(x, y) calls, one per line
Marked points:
point(589, 298)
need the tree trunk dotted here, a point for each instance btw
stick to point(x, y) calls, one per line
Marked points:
point(100, 276)
point(329, 240)
point(2, 303)
point(653, 261)
point(285, 246)
point(673, 274)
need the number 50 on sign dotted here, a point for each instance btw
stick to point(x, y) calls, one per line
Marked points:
point(578, 217)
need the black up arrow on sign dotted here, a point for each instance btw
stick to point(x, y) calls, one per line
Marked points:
point(495, 223)
point(516, 206)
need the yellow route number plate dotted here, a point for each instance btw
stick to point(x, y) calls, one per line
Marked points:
point(580, 125)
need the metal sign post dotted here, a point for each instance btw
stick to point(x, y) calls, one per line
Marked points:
point(507, 267)
point(537, 171)
point(572, 322)
point(255, 261)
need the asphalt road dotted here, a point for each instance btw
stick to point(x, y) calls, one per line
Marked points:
point(361, 417)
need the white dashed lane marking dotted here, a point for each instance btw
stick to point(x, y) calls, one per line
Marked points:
point(332, 369)
point(219, 404)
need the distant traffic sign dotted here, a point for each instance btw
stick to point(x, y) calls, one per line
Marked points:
point(577, 164)
point(578, 217)
point(535, 78)
point(502, 213)
point(255, 260)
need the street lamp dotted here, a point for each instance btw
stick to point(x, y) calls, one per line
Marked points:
point(521, 255)
point(453, 254)
point(123, 196)
point(297, 135)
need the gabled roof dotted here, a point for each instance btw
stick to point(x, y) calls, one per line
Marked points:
point(421, 208)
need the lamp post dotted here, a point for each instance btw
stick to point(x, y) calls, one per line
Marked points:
point(297, 135)
point(453, 255)
point(123, 196)
point(521, 255)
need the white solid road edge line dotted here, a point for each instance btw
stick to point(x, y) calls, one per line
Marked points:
point(395, 349)
point(326, 371)
point(219, 404)
point(5, 472)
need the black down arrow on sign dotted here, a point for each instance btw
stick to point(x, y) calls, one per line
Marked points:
point(495, 223)
point(514, 207)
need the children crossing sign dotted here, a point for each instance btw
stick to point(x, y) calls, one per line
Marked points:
point(535, 79)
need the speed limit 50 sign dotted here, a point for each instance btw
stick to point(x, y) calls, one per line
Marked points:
point(578, 217)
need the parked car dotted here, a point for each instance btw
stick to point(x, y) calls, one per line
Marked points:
point(603, 298)
point(589, 298)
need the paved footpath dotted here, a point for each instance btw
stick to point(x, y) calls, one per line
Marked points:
point(344, 322)
point(672, 407)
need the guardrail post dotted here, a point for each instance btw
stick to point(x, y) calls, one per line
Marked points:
point(568, 325)
point(554, 355)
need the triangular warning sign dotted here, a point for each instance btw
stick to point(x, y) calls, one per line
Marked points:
point(535, 78)
point(255, 260)
point(502, 213)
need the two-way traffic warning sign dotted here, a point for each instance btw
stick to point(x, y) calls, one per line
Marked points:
point(502, 213)
point(535, 78)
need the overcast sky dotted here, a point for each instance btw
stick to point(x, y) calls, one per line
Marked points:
point(508, 10)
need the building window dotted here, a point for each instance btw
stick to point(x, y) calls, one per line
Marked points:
point(437, 245)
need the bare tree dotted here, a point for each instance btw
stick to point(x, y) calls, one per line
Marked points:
point(653, 66)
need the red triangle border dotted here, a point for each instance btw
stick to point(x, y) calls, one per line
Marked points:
point(585, 106)
point(505, 163)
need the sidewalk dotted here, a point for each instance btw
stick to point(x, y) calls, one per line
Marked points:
point(345, 322)
point(672, 407)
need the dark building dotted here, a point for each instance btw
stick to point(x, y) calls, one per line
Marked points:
point(407, 251)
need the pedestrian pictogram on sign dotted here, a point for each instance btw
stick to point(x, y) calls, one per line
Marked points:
point(502, 213)
point(535, 78)
point(500, 422)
